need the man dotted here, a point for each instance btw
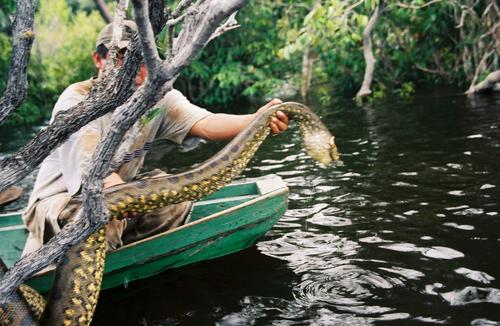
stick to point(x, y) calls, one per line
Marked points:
point(52, 201)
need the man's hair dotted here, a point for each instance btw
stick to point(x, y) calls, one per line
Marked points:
point(102, 51)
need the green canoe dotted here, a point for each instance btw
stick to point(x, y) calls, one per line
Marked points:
point(227, 221)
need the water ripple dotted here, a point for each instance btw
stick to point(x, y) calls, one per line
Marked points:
point(472, 294)
point(346, 287)
point(437, 252)
point(330, 217)
point(477, 276)
point(307, 250)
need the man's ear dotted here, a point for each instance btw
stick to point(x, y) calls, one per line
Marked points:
point(98, 61)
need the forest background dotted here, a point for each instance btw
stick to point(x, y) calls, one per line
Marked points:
point(282, 49)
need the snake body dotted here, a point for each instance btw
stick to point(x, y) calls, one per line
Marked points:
point(79, 274)
point(146, 195)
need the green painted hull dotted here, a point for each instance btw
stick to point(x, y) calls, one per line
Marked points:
point(230, 220)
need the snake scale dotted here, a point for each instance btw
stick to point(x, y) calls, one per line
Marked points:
point(79, 274)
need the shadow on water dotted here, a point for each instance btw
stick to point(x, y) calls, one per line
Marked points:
point(199, 294)
point(406, 232)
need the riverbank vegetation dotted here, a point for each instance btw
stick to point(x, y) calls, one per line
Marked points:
point(283, 48)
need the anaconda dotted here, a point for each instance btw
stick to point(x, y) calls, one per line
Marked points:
point(79, 274)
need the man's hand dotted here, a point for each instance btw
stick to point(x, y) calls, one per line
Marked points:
point(280, 123)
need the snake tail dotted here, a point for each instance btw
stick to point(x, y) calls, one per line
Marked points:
point(77, 283)
point(24, 306)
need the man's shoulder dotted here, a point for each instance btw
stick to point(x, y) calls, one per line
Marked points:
point(80, 88)
point(72, 95)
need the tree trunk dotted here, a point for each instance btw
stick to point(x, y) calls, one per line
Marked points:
point(488, 84)
point(23, 35)
point(365, 89)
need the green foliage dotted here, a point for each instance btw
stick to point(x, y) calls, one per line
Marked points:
point(66, 55)
point(413, 44)
point(406, 90)
point(7, 8)
point(61, 55)
point(242, 62)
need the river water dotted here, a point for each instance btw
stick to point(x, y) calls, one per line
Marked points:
point(405, 232)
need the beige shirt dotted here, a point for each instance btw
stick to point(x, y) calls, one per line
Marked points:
point(60, 174)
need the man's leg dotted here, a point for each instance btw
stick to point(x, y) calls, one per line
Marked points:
point(114, 229)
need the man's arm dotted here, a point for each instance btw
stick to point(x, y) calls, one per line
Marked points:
point(221, 127)
point(226, 126)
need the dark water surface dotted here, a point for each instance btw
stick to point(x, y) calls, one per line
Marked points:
point(406, 232)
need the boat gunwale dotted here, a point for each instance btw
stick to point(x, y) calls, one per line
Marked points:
point(279, 191)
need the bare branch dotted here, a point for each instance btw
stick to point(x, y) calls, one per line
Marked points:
point(149, 50)
point(103, 10)
point(353, 6)
point(403, 5)
point(431, 71)
point(487, 84)
point(365, 89)
point(181, 6)
point(177, 20)
point(106, 95)
point(116, 36)
point(231, 23)
point(481, 66)
point(196, 32)
point(16, 89)
point(170, 40)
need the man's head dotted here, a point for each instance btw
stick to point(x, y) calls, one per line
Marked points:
point(103, 42)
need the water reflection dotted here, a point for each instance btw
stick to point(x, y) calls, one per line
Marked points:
point(406, 231)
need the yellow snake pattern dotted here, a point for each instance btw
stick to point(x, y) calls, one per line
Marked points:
point(79, 274)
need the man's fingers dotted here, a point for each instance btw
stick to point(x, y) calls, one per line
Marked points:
point(282, 117)
point(274, 128)
point(281, 125)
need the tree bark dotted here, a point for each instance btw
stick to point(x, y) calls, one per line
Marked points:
point(108, 94)
point(198, 27)
point(104, 97)
point(365, 89)
point(22, 39)
point(488, 84)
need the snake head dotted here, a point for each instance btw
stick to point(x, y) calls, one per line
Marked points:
point(321, 147)
point(334, 152)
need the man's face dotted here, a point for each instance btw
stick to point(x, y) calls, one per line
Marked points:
point(100, 64)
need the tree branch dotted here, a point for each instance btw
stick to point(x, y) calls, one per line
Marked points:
point(23, 35)
point(106, 95)
point(481, 67)
point(116, 36)
point(196, 32)
point(149, 50)
point(103, 10)
point(181, 7)
point(403, 5)
point(487, 84)
point(231, 23)
point(365, 89)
